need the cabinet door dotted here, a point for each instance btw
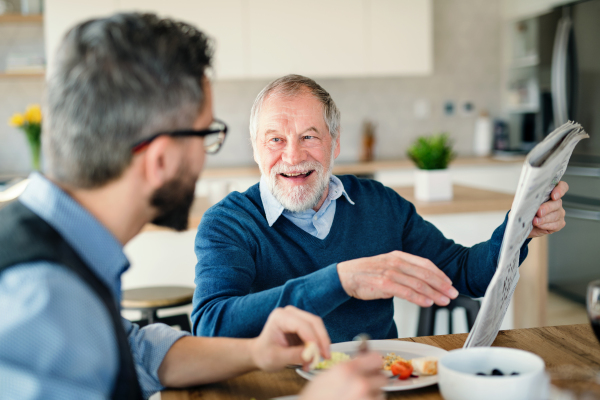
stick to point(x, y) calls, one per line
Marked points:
point(400, 37)
point(62, 15)
point(316, 38)
point(221, 20)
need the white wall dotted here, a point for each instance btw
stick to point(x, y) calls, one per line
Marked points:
point(466, 54)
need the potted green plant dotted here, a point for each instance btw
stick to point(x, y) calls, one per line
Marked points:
point(431, 155)
point(30, 123)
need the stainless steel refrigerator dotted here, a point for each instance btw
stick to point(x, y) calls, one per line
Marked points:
point(569, 76)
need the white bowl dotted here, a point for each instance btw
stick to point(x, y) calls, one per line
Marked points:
point(458, 379)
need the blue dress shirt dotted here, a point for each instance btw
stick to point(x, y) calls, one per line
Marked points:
point(317, 223)
point(56, 337)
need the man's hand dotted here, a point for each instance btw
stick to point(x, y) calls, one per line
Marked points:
point(281, 341)
point(550, 217)
point(359, 379)
point(399, 274)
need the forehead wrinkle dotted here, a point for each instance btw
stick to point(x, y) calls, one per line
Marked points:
point(288, 117)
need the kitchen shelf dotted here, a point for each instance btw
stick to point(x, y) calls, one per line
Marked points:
point(9, 75)
point(20, 18)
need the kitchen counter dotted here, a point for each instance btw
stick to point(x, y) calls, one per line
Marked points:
point(362, 168)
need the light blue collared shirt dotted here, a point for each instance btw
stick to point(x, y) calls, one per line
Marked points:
point(56, 337)
point(316, 223)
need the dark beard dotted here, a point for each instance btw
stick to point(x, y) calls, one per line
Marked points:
point(173, 201)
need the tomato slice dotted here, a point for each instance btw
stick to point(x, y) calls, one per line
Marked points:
point(402, 369)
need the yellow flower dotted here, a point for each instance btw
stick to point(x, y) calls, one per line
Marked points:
point(17, 120)
point(33, 115)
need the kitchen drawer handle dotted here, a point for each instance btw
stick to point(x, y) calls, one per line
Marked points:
point(582, 214)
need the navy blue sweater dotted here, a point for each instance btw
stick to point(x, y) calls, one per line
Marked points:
point(247, 268)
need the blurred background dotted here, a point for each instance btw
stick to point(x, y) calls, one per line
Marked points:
point(496, 75)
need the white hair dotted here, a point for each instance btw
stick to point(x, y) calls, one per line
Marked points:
point(291, 85)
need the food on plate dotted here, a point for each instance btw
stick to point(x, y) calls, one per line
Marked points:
point(336, 358)
point(389, 359)
point(418, 366)
point(392, 363)
point(311, 354)
point(402, 369)
point(425, 365)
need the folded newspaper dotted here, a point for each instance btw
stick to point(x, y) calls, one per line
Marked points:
point(544, 166)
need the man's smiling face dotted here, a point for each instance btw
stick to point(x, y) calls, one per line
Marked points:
point(294, 150)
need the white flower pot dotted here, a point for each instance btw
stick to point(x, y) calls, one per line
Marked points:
point(433, 185)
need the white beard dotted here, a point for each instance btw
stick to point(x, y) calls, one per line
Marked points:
point(299, 198)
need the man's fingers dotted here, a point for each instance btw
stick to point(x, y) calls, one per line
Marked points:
point(560, 190)
point(426, 279)
point(367, 364)
point(423, 263)
point(404, 292)
point(554, 216)
point(552, 226)
point(549, 207)
point(308, 327)
point(419, 286)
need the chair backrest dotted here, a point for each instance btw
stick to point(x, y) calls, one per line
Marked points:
point(427, 315)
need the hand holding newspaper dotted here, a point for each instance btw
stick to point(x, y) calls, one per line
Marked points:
point(544, 166)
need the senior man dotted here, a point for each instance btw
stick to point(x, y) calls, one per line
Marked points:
point(338, 247)
point(128, 120)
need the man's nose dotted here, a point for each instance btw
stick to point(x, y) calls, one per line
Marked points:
point(293, 153)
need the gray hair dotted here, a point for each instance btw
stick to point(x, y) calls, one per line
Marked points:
point(289, 86)
point(116, 81)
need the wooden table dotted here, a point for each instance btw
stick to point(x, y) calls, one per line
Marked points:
point(569, 349)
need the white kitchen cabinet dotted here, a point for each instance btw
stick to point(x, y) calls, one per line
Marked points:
point(271, 38)
point(400, 37)
point(315, 38)
point(222, 20)
point(337, 38)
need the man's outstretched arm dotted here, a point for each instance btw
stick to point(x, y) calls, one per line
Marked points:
point(431, 266)
point(200, 360)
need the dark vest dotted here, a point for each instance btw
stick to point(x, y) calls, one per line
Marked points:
point(25, 237)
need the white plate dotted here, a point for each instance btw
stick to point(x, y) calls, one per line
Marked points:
point(407, 350)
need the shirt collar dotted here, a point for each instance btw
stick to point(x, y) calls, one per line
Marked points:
point(274, 209)
point(95, 244)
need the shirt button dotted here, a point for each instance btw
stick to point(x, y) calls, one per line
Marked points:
point(315, 217)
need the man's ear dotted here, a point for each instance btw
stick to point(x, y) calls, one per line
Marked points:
point(254, 153)
point(161, 161)
point(336, 152)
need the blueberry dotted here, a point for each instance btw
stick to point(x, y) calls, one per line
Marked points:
point(497, 372)
point(481, 373)
point(515, 373)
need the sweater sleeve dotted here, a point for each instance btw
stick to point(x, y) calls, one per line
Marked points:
point(223, 304)
point(470, 268)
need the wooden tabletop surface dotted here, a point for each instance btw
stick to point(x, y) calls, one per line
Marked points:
point(571, 352)
point(466, 199)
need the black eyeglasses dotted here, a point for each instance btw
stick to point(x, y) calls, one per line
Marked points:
point(214, 136)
